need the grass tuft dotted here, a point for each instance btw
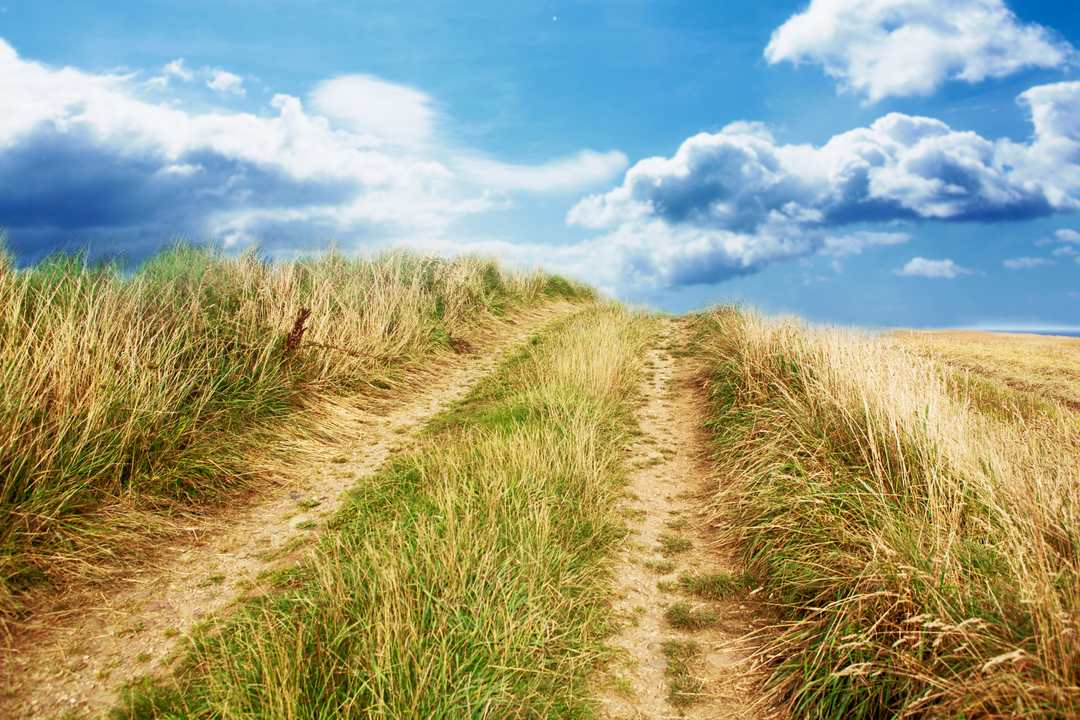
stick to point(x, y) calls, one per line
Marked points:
point(717, 586)
point(673, 544)
point(684, 616)
point(683, 688)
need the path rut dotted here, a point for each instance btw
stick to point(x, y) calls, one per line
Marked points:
point(668, 480)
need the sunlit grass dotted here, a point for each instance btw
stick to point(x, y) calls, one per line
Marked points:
point(469, 577)
point(130, 402)
point(922, 547)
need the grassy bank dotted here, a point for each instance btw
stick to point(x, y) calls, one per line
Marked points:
point(130, 403)
point(467, 579)
point(921, 546)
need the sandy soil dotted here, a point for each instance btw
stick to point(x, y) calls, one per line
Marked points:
point(668, 480)
point(75, 659)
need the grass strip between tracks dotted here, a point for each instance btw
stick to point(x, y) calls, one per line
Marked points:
point(469, 578)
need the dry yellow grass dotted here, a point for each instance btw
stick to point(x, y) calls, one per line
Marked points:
point(468, 578)
point(918, 533)
point(1048, 366)
point(129, 403)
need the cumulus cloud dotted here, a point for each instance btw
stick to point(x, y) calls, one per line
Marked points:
point(883, 48)
point(1064, 251)
point(738, 200)
point(1026, 263)
point(921, 267)
point(1069, 236)
point(225, 83)
point(82, 155)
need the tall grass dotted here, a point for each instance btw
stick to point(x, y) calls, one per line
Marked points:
point(128, 402)
point(924, 553)
point(467, 579)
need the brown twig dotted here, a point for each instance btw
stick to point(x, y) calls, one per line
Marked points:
point(296, 335)
point(292, 340)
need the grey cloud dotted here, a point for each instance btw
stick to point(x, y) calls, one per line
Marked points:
point(58, 186)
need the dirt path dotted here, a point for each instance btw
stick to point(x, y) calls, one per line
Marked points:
point(76, 659)
point(665, 670)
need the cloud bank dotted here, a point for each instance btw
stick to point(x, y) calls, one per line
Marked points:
point(882, 48)
point(87, 156)
point(730, 203)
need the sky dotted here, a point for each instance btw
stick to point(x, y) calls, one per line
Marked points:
point(906, 163)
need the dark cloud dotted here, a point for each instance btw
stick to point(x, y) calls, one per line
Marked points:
point(59, 189)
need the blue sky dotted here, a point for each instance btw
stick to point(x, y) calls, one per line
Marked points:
point(896, 162)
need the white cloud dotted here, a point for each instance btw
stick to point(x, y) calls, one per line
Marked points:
point(753, 128)
point(884, 48)
point(1069, 236)
point(755, 201)
point(854, 243)
point(579, 171)
point(1063, 251)
point(176, 69)
point(119, 164)
point(921, 267)
point(1026, 263)
point(124, 167)
point(225, 83)
point(370, 106)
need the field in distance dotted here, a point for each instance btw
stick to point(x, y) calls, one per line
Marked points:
point(1044, 365)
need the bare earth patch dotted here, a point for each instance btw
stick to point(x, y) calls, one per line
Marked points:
point(75, 658)
point(682, 655)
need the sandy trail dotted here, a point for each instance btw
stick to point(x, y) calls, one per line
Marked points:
point(76, 659)
point(669, 475)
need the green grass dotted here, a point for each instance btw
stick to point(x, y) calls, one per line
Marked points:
point(685, 616)
point(673, 544)
point(129, 401)
point(683, 688)
point(468, 578)
point(660, 567)
point(717, 586)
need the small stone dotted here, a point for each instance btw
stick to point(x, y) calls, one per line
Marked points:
point(95, 624)
point(659, 663)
